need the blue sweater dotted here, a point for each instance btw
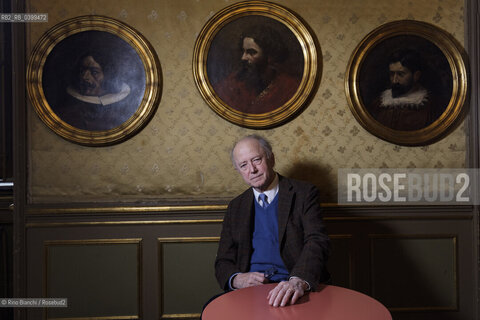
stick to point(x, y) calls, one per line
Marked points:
point(266, 248)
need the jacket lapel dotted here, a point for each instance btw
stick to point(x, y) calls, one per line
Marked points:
point(285, 198)
point(246, 222)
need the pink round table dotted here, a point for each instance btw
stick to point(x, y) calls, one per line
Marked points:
point(329, 303)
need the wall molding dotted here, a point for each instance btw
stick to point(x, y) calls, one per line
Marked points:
point(116, 216)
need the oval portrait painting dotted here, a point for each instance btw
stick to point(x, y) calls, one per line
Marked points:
point(406, 83)
point(255, 64)
point(94, 80)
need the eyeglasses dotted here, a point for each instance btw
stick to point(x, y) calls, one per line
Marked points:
point(270, 272)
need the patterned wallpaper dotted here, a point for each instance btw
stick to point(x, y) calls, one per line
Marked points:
point(184, 151)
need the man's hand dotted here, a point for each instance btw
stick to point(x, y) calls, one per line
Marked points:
point(248, 279)
point(287, 292)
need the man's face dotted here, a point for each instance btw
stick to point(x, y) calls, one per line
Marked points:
point(90, 77)
point(401, 79)
point(253, 65)
point(252, 53)
point(252, 163)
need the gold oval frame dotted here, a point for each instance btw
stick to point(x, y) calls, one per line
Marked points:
point(146, 53)
point(311, 70)
point(453, 53)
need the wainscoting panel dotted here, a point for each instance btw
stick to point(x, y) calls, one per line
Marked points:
point(340, 263)
point(424, 266)
point(417, 261)
point(119, 267)
point(186, 275)
point(154, 264)
point(100, 278)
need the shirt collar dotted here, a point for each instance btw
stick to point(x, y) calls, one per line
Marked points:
point(271, 191)
point(104, 100)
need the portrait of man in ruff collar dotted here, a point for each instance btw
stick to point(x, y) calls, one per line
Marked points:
point(94, 81)
point(406, 88)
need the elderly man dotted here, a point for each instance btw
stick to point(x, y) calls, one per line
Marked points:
point(261, 83)
point(273, 232)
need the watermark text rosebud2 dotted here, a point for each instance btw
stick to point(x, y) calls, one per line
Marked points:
point(408, 186)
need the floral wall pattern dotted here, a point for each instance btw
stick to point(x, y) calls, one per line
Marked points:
point(183, 153)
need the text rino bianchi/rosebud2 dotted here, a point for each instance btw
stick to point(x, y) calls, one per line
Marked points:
point(33, 302)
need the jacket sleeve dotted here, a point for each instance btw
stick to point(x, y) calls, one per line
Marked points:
point(226, 261)
point(307, 244)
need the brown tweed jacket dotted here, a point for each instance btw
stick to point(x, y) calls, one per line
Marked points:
point(304, 244)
